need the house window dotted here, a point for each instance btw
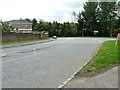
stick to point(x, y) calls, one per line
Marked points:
point(17, 30)
point(26, 26)
point(23, 31)
point(29, 31)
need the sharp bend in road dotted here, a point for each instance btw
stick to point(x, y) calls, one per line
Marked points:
point(46, 65)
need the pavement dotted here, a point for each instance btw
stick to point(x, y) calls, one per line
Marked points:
point(108, 79)
point(24, 44)
point(46, 65)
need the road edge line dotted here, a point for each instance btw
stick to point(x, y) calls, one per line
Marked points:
point(63, 84)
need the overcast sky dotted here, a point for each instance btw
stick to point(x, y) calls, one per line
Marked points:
point(48, 10)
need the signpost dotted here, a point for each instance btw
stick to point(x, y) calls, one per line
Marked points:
point(95, 32)
point(118, 38)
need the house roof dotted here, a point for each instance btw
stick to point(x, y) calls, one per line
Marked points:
point(19, 22)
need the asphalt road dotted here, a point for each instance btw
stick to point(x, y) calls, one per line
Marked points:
point(46, 65)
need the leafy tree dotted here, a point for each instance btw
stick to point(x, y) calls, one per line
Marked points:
point(118, 24)
point(27, 19)
point(72, 30)
point(99, 16)
point(74, 16)
point(90, 15)
point(62, 33)
point(0, 26)
point(55, 28)
point(68, 29)
point(80, 25)
point(6, 27)
point(65, 29)
point(118, 17)
point(50, 28)
point(107, 17)
point(34, 24)
point(43, 26)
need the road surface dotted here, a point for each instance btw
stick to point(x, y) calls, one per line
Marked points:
point(46, 65)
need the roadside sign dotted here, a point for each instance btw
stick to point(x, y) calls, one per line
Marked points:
point(95, 32)
point(118, 36)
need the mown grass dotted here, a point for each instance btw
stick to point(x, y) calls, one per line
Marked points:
point(20, 41)
point(107, 57)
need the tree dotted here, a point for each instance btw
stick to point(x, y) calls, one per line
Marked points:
point(6, 27)
point(118, 17)
point(80, 25)
point(0, 26)
point(34, 24)
point(74, 16)
point(27, 19)
point(72, 30)
point(118, 24)
point(62, 33)
point(107, 17)
point(50, 27)
point(56, 28)
point(100, 16)
point(89, 15)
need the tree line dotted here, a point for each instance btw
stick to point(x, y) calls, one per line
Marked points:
point(65, 29)
point(100, 16)
point(97, 19)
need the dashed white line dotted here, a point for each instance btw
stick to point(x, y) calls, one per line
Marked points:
point(34, 54)
point(3, 55)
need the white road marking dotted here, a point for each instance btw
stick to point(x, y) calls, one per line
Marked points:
point(26, 47)
point(32, 54)
point(34, 50)
point(3, 55)
point(63, 84)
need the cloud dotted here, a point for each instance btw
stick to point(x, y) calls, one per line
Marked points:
point(73, 3)
point(49, 10)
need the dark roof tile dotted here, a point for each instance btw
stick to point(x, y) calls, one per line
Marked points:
point(19, 22)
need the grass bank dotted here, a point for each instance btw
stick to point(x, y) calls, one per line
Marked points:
point(106, 58)
point(20, 42)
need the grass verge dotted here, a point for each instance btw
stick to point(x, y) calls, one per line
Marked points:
point(106, 58)
point(20, 42)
